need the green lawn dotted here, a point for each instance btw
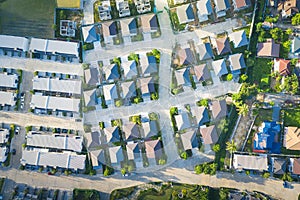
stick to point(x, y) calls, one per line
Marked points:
point(260, 72)
point(292, 117)
point(120, 193)
point(81, 194)
point(27, 17)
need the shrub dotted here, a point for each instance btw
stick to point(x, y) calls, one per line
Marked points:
point(198, 169)
point(123, 171)
point(266, 175)
point(229, 77)
point(184, 155)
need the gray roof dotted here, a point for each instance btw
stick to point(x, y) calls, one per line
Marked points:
point(55, 103)
point(54, 46)
point(111, 72)
point(189, 140)
point(128, 27)
point(201, 73)
point(131, 131)
point(57, 85)
point(279, 165)
point(130, 69)
point(3, 155)
point(148, 64)
point(219, 109)
point(221, 5)
point(112, 134)
point(90, 97)
point(66, 160)
point(209, 134)
point(185, 13)
point(183, 76)
point(219, 67)
point(89, 33)
point(183, 121)
point(97, 157)
point(146, 85)
point(250, 162)
point(149, 129)
point(8, 81)
point(110, 92)
point(296, 45)
point(268, 49)
point(238, 38)
point(205, 51)
point(149, 23)
point(13, 42)
point(7, 98)
point(128, 89)
point(133, 151)
point(200, 113)
point(93, 140)
point(61, 142)
point(153, 149)
point(91, 76)
point(4, 133)
point(237, 61)
point(116, 154)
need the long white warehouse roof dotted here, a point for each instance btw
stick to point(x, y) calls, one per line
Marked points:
point(10, 81)
point(14, 42)
point(7, 98)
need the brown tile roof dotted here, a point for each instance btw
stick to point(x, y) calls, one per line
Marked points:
point(241, 3)
point(201, 72)
point(296, 166)
point(209, 134)
point(292, 138)
point(219, 109)
point(289, 7)
point(268, 49)
point(223, 45)
point(153, 148)
point(284, 66)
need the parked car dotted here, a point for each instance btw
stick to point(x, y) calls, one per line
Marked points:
point(13, 152)
point(22, 96)
point(287, 185)
point(17, 130)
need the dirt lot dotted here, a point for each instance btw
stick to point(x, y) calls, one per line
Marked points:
point(27, 17)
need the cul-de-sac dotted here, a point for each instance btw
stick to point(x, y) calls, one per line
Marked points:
point(149, 99)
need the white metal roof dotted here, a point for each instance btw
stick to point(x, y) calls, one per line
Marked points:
point(57, 85)
point(250, 162)
point(3, 136)
point(13, 42)
point(8, 80)
point(2, 154)
point(7, 98)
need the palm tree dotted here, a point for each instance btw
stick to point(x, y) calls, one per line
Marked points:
point(231, 146)
point(243, 109)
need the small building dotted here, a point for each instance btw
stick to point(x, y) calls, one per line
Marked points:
point(104, 10)
point(183, 121)
point(129, 69)
point(295, 47)
point(93, 140)
point(153, 149)
point(237, 62)
point(295, 166)
point(116, 155)
point(128, 90)
point(238, 38)
point(98, 158)
point(183, 77)
point(218, 109)
point(4, 135)
point(128, 27)
point(109, 31)
point(147, 86)
point(3, 153)
point(131, 131)
point(110, 73)
point(200, 73)
point(149, 23)
point(205, 51)
point(123, 8)
point(291, 139)
point(288, 8)
point(268, 49)
point(89, 34)
point(189, 140)
point(67, 28)
point(221, 6)
point(185, 13)
point(282, 66)
point(91, 76)
point(133, 151)
point(209, 135)
point(148, 65)
point(279, 165)
point(112, 134)
point(8, 98)
point(185, 57)
point(200, 113)
point(241, 4)
point(219, 67)
point(110, 93)
point(9, 81)
point(14, 43)
point(150, 129)
point(204, 10)
point(223, 45)
point(90, 97)
point(142, 6)
point(246, 162)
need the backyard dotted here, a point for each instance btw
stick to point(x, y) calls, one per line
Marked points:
point(29, 18)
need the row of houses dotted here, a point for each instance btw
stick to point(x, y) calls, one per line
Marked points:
point(125, 28)
point(39, 48)
point(57, 151)
point(287, 8)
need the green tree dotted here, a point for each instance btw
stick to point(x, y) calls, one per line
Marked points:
point(133, 56)
point(266, 175)
point(258, 26)
point(184, 155)
point(244, 77)
point(276, 33)
point(203, 102)
point(123, 171)
point(294, 61)
point(154, 96)
point(216, 148)
point(287, 177)
point(198, 169)
point(162, 162)
point(296, 19)
point(223, 125)
point(229, 77)
point(243, 109)
point(289, 31)
point(174, 111)
point(119, 103)
point(231, 147)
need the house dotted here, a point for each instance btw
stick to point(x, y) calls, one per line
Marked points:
point(200, 73)
point(116, 155)
point(123, 8)
point(93, 140)
point(200, 113)
point(183, 77)
point(238, 38)
point(209, 135)
point(218, 109)
point(109, 31)
point(91, 76)
point(44, 104)
point(282, 66)
point(147, 86)
point(241, 4)
point(56, 141)
point(219, 67)
point(183, 121)
point(128, 27)
point(89, 34)
point(65, 160)
point(98, 158)
point(266, 139)
point(279, 165)
point(148, 65)
point(9, 81)
point(54, 48)
point(295, 46)
point(189, 140)
point(150, 129)
point(268, 49)
point(223, 45)
point(14, 43)
point(133, 151)
point(90, 97)
point(128, 90)
point(131, 131)
point(57, 86)
point(4, 135)
point(110, 93)
point(295, 166)
point(221, 6)
point(149, 23)
point(112, 134)
point(67, 28)
point(185, 13)
point(205, 51)
point(185, 57)
point(104, 10)
point(8, 98)
point(110, 73)
point(3, 154)
point(291, 139)
point(204, 10)
point(288, 8)
point(130, 69)
point(246, 162)
point(237, 62)
point(153, 149)
point(142, 6)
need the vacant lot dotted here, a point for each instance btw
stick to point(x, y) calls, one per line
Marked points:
point(27, 17)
